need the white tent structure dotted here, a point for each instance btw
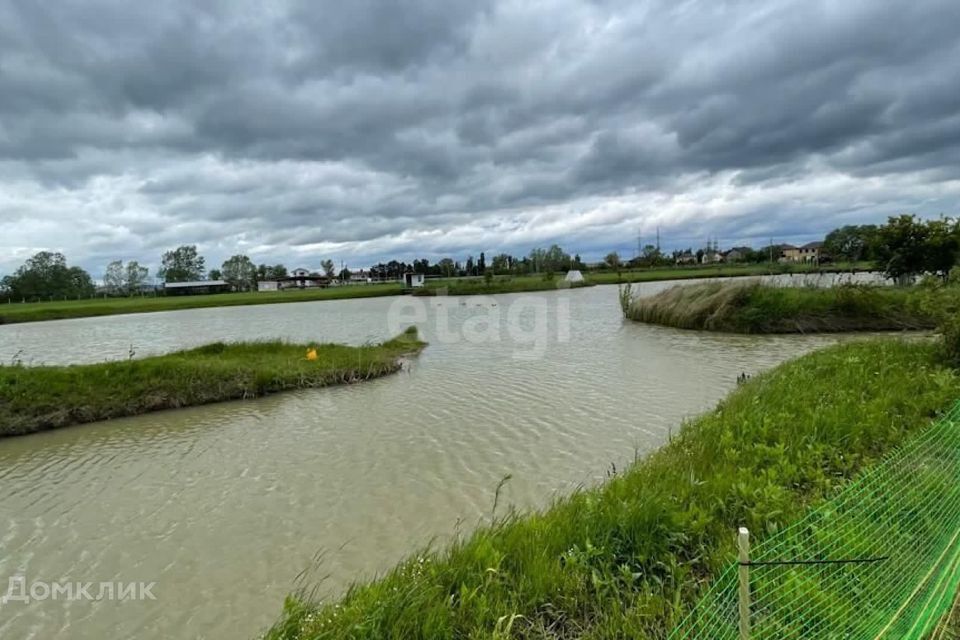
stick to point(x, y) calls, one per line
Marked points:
point(573, 275)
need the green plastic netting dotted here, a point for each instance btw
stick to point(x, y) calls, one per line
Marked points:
point(904, 510)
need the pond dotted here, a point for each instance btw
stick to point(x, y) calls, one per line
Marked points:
point(223, 506)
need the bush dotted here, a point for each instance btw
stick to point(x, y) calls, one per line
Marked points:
point(950, 339)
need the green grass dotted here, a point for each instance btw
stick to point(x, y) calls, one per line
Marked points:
point(543, 282)
point(752, 307)
point(629, 558)
point(59, 310)
point(37, 398)
point(499, 284)
point(721, 271)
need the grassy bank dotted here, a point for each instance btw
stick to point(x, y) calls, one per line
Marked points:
point(752, 307)
point(722, 271)
point(62, 310)
point(627, 559)
point(545, 282)
point(37, 398)
point(505, 284)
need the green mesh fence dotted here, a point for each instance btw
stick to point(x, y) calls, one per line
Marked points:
point(903, 513)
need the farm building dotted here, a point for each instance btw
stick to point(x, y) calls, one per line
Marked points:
point(196, 287)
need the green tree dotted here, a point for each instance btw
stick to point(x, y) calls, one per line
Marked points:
point(328, 268)
point(47, 276)
point(135, 277)
point(651, 255)
point(447, 267)
point(902, 244)
point(271, 272)
point(851, 242)
point(942, 246)
point(278, 271)
point(214, 274)
point(113, 278)
point(79, 284)
point(501, 263)
point(183, 264)
point(557, 259)
point(613, 260)
point(239, 272)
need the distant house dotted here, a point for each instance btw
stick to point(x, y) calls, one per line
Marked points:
point(787, 252)
point(737, 254)
point(298, 279)
point(360, 277)
point(810, 252)
point(710, 257)
point(412, 280)
point(196, 287)
point(686, 258)
point(303, 279)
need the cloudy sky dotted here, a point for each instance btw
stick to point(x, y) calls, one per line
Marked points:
point(297, 131)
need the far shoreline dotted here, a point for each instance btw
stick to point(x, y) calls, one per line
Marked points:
point(20, 313)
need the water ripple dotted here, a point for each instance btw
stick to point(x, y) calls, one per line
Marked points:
point(228, 503)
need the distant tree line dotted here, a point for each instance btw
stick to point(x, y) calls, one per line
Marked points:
point(46, 276)
point(549, 260)
point(903, 247)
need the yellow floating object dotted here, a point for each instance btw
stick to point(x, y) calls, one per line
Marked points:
point(311, 354)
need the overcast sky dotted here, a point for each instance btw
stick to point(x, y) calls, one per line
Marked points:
point(359, 130)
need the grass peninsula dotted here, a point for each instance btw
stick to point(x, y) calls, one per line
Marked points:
point(46, 397)
point(754, 307)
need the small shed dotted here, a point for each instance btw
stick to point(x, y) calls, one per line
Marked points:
point(412, 280)
point(573, 275)
point(268, 285)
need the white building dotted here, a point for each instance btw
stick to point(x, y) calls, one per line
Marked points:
point(413, 280)
point(360, 277)
point(268, 285)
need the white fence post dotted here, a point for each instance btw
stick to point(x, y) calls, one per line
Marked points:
point(743, 545)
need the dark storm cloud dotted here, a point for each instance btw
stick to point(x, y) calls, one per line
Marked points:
point(361, 130)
